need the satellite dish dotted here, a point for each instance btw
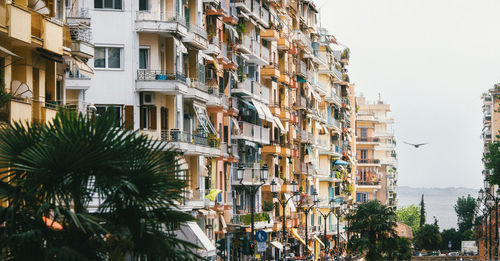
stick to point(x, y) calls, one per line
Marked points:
point(39, 6)
point(21, 90)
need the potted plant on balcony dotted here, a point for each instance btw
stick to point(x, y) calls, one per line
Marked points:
point(213, 140)
point(268, 206)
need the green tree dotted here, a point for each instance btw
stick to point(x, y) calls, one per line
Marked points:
point(492, 161)
point(410, 216)
point(466, 210)
point(55, 171)
point(452, 235)
point(422, 211)
point(428, 237)
point(373, 233)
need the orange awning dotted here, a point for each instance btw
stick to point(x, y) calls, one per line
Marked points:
point(52, 224)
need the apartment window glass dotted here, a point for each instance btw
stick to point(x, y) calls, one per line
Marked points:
point(143, 5)
point(115, 111)
point(143, 58)
point(107, 57)
point(364, 132)
point(108, 4)
point(364, 154)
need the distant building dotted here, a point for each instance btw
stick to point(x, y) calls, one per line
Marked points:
point(404, 230)
point(376, 175)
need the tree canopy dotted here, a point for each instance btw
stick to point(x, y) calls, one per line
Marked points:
point(53, 176)
point(452, 235)
point(428, 237)
point(373, 232)
point(422, 211)
point(409, 215)
point(466, 210)
point(492, 161)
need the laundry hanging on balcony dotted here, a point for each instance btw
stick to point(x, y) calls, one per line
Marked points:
point(203, 119)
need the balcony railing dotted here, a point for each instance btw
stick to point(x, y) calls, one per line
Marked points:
point(254, 132)
point(368, 161)
point(301, 37)
point(193, 138)
point(302, 68)
point(368, 183)
point(256, 8)
point(160, 16)
point(367, 139)
point(265, 15)
point(153, 75)
point(264, 53)
point(198, 30)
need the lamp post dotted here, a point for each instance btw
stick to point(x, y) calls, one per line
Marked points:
point(283, 203)
point(491, 199)
point(252, 190)
point(325, 216)
point(338, 214)
point(306, 211)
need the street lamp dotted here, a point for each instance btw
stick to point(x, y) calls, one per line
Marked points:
point(283, 203)
point(306, 211)
point(331, 207)
point(252, 190)
point(338, 214)
point(491, 200)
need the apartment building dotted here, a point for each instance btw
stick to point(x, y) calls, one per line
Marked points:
point(238, 86)
point(491, 128)
point(34, 42)
point(376, 175)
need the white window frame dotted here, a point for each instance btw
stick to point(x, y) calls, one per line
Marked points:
point(106, 68)
point(148, 48)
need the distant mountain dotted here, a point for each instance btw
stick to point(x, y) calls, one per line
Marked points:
point(439, 202)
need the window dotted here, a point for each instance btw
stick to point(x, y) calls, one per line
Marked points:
point(115, 110)
point(143, 5)
point(143, 58)
point(148, 118)
point(107, 57)
point(362, 197)
point(108, 4)
point(364, 132)
point(364, 154)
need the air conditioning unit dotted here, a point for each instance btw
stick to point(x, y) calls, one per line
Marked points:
point(148, 98)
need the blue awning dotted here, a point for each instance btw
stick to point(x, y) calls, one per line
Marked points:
point(249, 105)
point(341, 162)
point(300, 79)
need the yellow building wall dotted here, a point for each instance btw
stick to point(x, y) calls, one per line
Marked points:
point(19, 21)
point(52, 36)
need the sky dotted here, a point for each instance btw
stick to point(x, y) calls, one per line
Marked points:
point(431, 60)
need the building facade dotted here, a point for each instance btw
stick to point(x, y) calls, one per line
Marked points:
point(376, 175)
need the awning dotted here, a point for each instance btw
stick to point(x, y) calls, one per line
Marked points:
point(236, 126)
point(83, 66)
point(324, 128)
point(223, 222)
point(249, 105)
point(213, 194)
point(193, 233)
point(341, 162)
point(276, 244)
point(267, 112)
point(5, 50)
point(316, 95)
point(206, 57)
point(300, 79)
point(309, 149)
point(203, 119)
point(349, 138)
point(180, 46)
point(260, 110)
point(280, 125)
point(298, 237)
point(319, 240)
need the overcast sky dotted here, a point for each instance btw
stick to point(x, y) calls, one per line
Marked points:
point(431, 60)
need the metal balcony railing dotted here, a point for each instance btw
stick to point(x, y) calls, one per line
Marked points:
point(198, 30)
point(152, 75)
point(368, 183)
point(368, 161)
point(302, 68)
point(368, 139)
point(160, 16)
point(193, 138)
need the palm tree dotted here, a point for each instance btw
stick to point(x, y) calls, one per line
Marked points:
point(52, 174)
point(373, 232)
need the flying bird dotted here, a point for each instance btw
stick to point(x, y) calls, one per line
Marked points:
point(415, 145)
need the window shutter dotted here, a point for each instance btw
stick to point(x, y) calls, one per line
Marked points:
point(153, 117)
point(129, 117)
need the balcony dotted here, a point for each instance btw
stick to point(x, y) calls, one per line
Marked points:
point(17, 110)
point(161, 23)
point(273, 148)
point(253, 133)
point(285, 115)
point(244, 45)
point(47, 32)
point(261, 220)
point(333, 98)
point(302, 40)
point(161, 81)
point(368, 140)
point(258, 54)
point(368, 162)
point(196, 37)
point(214, 47)
point(189, 143)
point(270, 72)
point(283, 43)
point(301, 69)
point(81, 34)
point(76, 81)
point(269, 34)
point(197, 90)
point(256, 13)
point(17, 21)
point(364, 184)
point(243, 5)
point(306, 136)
